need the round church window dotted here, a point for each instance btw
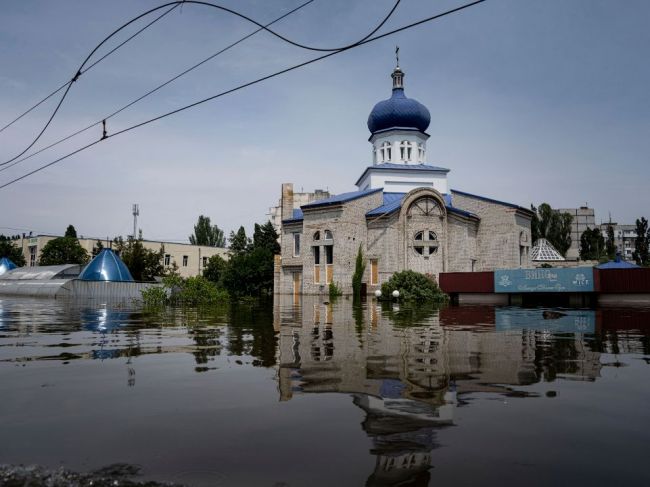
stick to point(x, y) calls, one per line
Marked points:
point(425, 243)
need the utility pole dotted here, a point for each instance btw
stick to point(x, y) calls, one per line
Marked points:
point(136, 213)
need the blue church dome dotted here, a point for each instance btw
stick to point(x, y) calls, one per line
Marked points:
point(107, 266)
point(398, 111)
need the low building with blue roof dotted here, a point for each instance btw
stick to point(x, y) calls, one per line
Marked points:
point(403, 215)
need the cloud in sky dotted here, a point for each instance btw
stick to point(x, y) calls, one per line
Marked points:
point(530, 102)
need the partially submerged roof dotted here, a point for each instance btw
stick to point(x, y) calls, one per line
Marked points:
point(107, 266)
point(543, 251)
point(43, 273)
point(6, 265)
point(617, 263)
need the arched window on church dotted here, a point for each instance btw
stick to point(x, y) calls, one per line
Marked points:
point(328, 235)
point(425, 243)
point(317, 235)
point(420, 152)
point(374, 155)
point(426, 206)
point(405, 150)
point(385, 151)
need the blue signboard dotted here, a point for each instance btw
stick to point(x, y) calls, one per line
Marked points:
point(554, 321)
point(574, 280)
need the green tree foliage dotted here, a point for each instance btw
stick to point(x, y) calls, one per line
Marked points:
point(70, 232)
point(610, 243)
point(334, 290)
point(11, 251)
point(249, 273)
point(207, 234)
point(642, 243)
point(215, 269)
point(266, 237)
point(63, 250)
point(592, 245)
point(413, 286)
point(553, 226)
point(357, 277)
point(97, 248)
point(195, 291)
point(239, 242)
point(144, 264)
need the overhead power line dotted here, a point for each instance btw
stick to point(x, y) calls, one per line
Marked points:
point(68, 84)
point(245, 85)
point(157, 88)
point(175, 4)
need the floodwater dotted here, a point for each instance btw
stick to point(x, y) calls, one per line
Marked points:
point(307, 393)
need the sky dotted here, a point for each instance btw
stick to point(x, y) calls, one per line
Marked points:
point(530, 101)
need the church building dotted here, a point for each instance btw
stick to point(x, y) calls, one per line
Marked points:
point(403, 215)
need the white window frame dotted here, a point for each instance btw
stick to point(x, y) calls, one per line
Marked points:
point(296, 244)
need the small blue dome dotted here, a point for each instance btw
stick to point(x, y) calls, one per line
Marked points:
point(399, 111)
point(107, 266)
point(6, 265)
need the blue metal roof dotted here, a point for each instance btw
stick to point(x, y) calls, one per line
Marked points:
point(340, 198)
point(296, 216)
point(107, 266)
point(398, 111)
point(490, 200)
point(389, 166)
point(617, 264)
point(6, 265)
point(393, 202)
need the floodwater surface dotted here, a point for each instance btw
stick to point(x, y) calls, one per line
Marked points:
point(308, 393)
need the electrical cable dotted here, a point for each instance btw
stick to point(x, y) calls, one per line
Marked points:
point(245, 85)
point(175, 4)
point(150, 92)
point(67, 85)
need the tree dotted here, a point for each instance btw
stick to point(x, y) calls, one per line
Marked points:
point(239, 242)
point(249, 273)
point(144, 264)
point(592, 244)
point(553, 226)
point(11, 251)
point(215, 269)
point(70, 232)
point(97, 248)
point(207, 234)
point(357, 277)
point(641, 243)
point(266, 237)
point(63, 250)
point(610, 243)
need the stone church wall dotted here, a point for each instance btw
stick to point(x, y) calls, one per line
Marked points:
point(498, 233)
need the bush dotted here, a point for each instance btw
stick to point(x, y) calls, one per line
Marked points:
point(357, 277)
point(413, 286)
point(191, 291)
point(154, 296)
point(334, 290)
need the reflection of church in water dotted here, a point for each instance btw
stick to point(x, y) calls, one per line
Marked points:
point(410, 378)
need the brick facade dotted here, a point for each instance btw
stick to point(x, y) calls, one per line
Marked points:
point(473, 234)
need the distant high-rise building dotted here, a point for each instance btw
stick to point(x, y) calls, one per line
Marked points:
point(583, 218)
point(624, 237)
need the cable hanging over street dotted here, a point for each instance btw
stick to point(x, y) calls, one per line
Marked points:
point(245, 85)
